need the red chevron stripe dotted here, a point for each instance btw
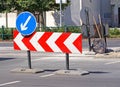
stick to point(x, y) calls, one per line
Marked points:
point(14, 43)
point(15, 33)
point(16, 47)
point(26, 41)
point(60, 42)
point(43, 39)
point(78, 43)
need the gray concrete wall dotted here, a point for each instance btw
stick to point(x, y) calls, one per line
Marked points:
point(75, 13)
point(106, 11)
point(72, 13)
point(93, 7)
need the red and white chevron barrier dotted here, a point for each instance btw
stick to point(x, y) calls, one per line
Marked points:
point(49, 42)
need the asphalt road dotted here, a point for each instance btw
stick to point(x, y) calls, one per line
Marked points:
point(103, 72)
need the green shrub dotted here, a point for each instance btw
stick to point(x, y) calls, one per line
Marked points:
point(114, 33)
point(73, 29)
point(6, 34)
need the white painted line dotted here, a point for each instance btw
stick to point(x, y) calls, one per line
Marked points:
point(47, 75)
point(9, 83)
point(112, 62)
point(35, 60)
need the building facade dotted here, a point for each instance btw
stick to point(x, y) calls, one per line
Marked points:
point(115, 8)
point(75, 14)
point(95, 8)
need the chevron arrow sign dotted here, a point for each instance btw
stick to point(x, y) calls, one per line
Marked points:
point(49, 42)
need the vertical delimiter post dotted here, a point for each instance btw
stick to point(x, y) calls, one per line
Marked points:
point(67, 61)
point(29, 59)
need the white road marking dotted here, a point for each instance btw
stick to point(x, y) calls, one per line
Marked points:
point(9, 83)
point(35, 60)
point(43, 76)
point(112, 62)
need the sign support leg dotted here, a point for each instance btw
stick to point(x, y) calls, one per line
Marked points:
point(67, 61)
point(29, 59)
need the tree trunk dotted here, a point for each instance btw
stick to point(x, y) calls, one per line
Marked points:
point(6, 15)
point(44, 16)
point(42, 20)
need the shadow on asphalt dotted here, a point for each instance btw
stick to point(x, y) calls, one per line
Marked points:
point(51, 70)
point(3, 59)
point(98, 72)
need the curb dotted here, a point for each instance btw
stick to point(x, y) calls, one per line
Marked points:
point(113, 52)
point(24, 70)
point(108, 55)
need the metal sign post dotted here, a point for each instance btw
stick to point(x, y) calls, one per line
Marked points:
point(26, 24)
point(60, 13)
point(88, 28)
point(67, 55)
point(60, 2)
point(67, 61)
point(29, 59)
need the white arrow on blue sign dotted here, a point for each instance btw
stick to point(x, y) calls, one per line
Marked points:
point(26, 23)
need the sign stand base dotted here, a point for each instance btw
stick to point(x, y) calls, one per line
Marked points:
point(71, 72)
point(24, 70)
point(29, 69)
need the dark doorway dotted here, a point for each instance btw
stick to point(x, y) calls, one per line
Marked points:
point(119, 16)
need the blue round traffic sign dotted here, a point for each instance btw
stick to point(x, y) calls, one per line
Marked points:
point(26, 23)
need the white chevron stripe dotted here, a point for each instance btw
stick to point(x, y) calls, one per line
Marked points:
point(18, 41)
point(34, 41)
point(51, 42)
point(69, 43)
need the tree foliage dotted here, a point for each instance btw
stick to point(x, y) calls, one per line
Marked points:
point(39, 6)
point(30, 5)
